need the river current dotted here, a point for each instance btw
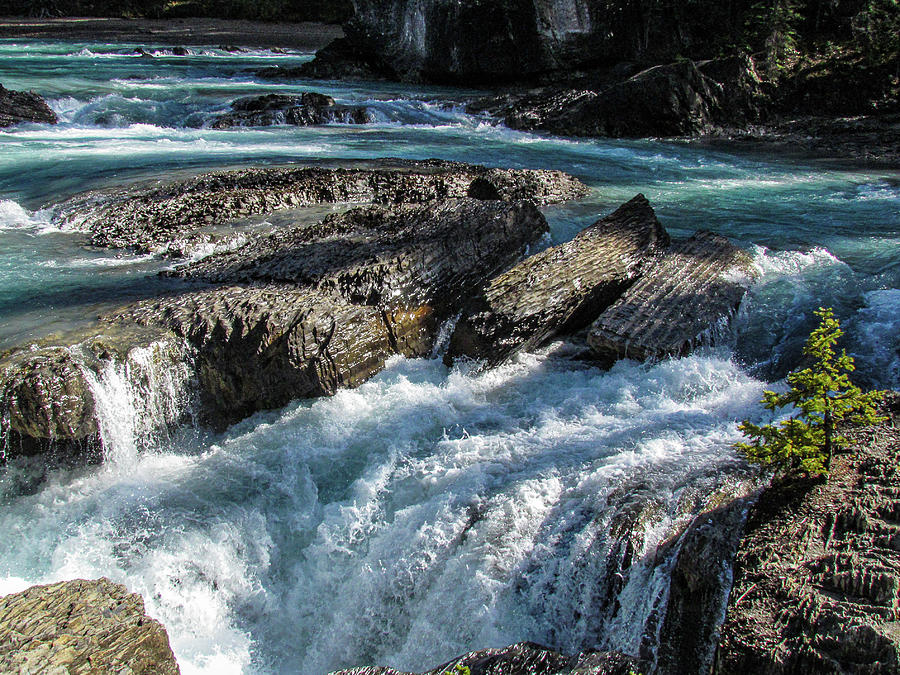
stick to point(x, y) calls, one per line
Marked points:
point(431, 511)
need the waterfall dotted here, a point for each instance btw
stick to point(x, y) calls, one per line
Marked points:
point(139, 399)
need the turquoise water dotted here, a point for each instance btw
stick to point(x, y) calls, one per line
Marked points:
point(430, 511)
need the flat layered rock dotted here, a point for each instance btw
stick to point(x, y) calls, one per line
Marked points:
point(23, 106)
point(679, 303)
point(523, 658)
point(561, 289)
point(81, 627)
point(307, 310)
point(152, 218)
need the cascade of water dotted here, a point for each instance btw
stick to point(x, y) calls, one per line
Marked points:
point(139, 399)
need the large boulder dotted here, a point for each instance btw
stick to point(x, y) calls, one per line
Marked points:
point(308, 109)
point(681, 302)
point(561, 289)
point(171, 216)
point(82, 627)
point(23, 106)
point(298, 312)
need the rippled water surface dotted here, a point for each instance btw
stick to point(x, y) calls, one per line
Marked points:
point(430, 511)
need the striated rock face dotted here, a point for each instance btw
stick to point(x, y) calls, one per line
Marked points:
point(678, 303)
point(523, 658)
point(678, 99)
point(151, 219)
point(81, 627)
point(817, 575)
point(307, 109)
point(562, 289)
point(307, 310)
point(23, 106)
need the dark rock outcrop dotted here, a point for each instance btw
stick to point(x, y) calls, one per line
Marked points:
point(817, 575)
point(308, 109)
point(342, 59)
point(23, 106)
point(678, 99)
point(523, 658)
point(81, 627)
point(677, 304)
point(151, 219)
point(561, 289)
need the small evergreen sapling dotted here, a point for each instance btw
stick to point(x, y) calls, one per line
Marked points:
point(822, 395)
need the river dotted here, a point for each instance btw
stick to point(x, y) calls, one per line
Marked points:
point(431, 511)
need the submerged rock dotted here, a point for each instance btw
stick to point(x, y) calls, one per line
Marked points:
point(150, 219)
point(561, 289)
point(523, 658)
point(817, 575)
point(23, 106)
point(308, 109)
point(82, 627)
point(679, 302)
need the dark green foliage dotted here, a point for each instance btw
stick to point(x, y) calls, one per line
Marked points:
point(773, 26)
point(821, 396)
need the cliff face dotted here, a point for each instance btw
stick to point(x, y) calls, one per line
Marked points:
point(478, 41)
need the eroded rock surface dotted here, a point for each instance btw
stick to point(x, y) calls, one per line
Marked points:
point(308, 109)
point(23, 106)
point(561, 289)
point(523, 658)
point(817, 575)
point(152, 218)
point(678, 303)
point(81, 627)
point(307, 310)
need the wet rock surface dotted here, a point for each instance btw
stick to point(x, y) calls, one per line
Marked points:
point(561, 289)
point(817, 575)
point(81, 627)
point(678, 303)
point(153, 218)
point(523, 658)
point(307, 310)
point(23, 106)
point(47, 405)
point(308, 109)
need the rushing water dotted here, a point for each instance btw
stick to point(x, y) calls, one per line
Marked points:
point(430, 511)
